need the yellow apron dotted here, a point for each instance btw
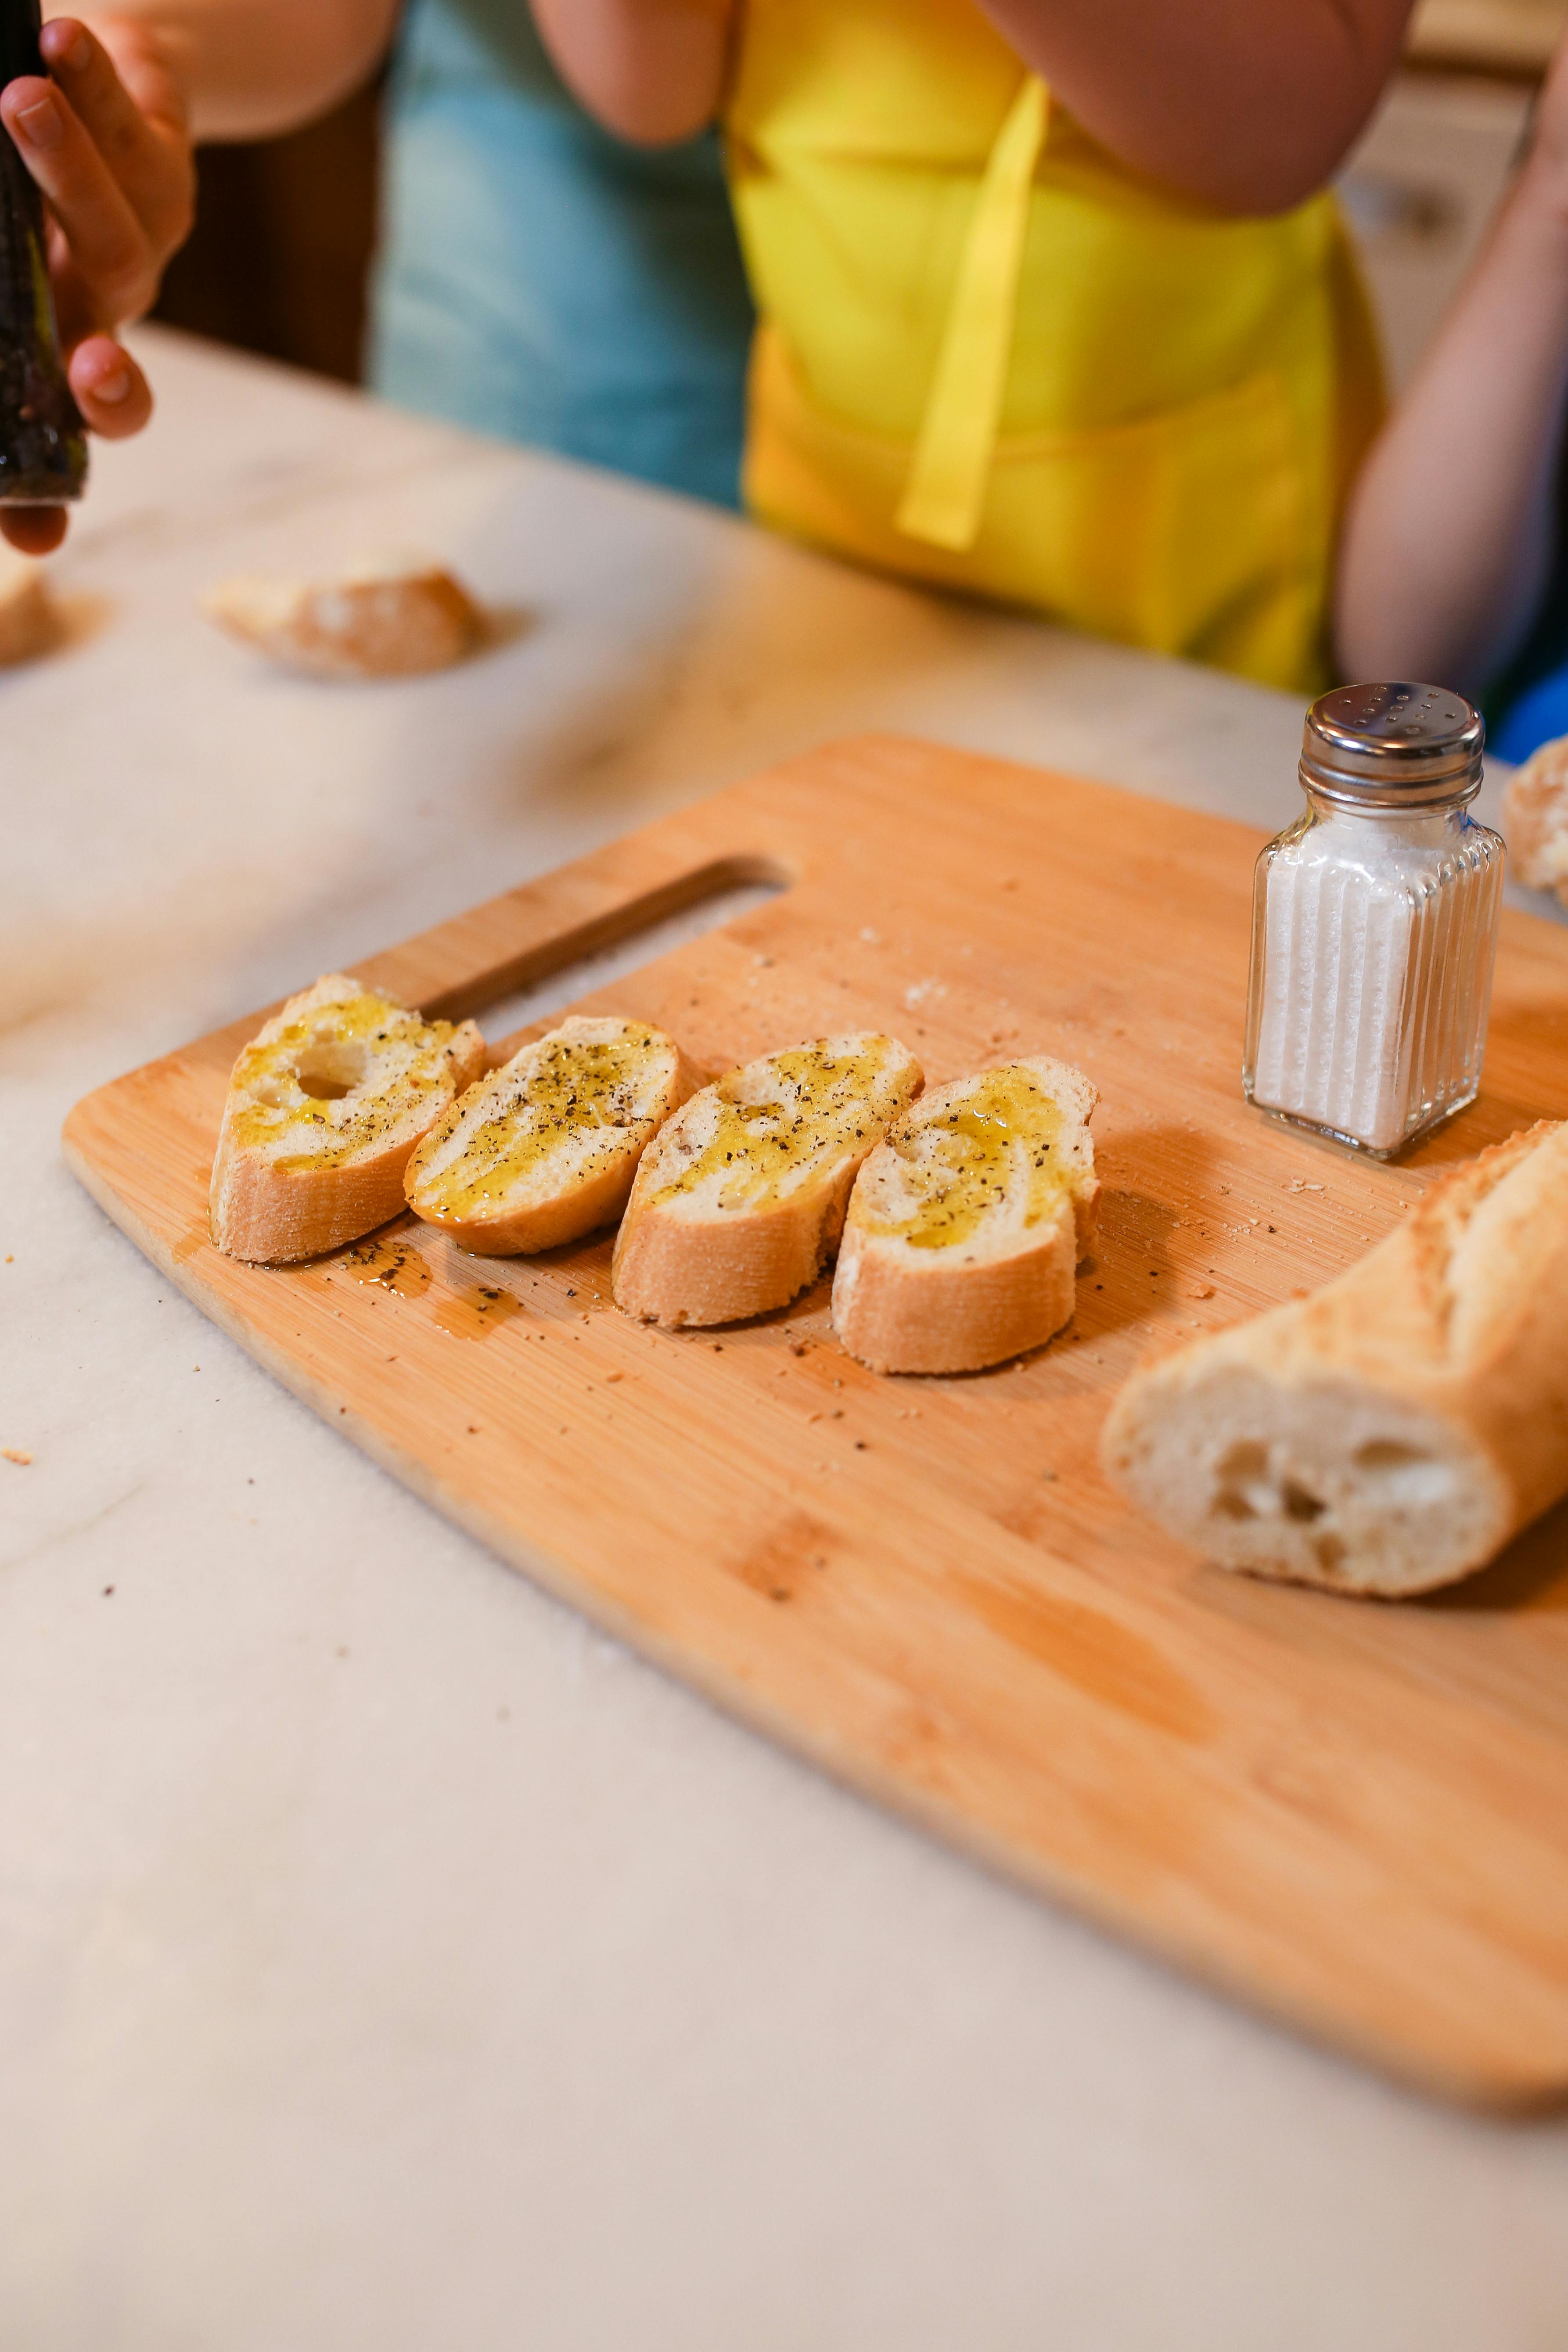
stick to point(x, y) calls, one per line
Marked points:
point(992, 358)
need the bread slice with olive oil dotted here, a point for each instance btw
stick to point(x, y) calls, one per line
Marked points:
point(740, 1199)
point(545, 1149)
point(325, 1107)
point(967, 1223)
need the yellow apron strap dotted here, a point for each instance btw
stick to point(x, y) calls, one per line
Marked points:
point(945, 493)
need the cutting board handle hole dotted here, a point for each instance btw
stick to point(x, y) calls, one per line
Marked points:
point(556, 972)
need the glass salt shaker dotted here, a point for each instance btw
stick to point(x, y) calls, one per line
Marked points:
point(1376, 923)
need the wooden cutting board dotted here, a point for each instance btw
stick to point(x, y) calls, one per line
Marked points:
point(1354, 1814)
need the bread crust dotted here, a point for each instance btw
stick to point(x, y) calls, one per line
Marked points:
point(581, 1205)
point(1454, 1330)
point(1535, 819)
point(682, 1266)
point(1007, 1287)
point(273, 1214)
point(372, 622)
point(29, 622)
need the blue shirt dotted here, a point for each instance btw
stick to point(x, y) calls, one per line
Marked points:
point(541, 280)
point(1539, 714)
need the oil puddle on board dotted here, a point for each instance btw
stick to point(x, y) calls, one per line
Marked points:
point(394, 1262)
point(391, 1261)
point(475, 1314)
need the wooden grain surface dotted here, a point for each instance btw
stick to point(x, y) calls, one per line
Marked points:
point(1353, 1814)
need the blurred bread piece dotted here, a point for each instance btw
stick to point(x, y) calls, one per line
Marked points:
point(545, 1149)
point(967, 1222)
point(739, 1200)
point(1535, 819)
point(1391, 1432)
point(390, 617)
point(29, 622)
point(324, 1108)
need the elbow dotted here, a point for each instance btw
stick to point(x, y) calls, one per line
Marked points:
point(1286, 158)
point(1261, 185)
point(647, 121)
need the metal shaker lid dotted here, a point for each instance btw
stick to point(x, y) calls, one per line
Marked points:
point(1393, 747)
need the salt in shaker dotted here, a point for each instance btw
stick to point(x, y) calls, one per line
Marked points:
point(1375, 922)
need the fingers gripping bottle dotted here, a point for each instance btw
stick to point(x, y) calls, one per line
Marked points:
point(43, 448)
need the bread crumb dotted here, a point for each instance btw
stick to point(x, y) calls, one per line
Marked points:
point(387, 618)
point(29, 621)
point(16, 1454)
point(615, 1376)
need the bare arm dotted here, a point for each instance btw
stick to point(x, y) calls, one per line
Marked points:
point(1245, 104)
point(1450, 532)
point(651, 70)
point(251, 68)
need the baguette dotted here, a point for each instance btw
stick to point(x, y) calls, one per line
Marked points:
point(325, 1107)
point(1391, 1432)
point(740, 1199)
point(967, 1222)
point(1535, 819)
point(392, 618)
point(545, 1149)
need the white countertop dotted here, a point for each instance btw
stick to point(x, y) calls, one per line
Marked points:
point(386, 1959)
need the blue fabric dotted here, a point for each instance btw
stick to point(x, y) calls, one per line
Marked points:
point(1539, 714)
point(540, 280)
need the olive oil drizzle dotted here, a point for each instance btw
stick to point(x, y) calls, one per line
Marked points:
point(797, 1111)
point(577, 1088)
point(330, 1128)
point(961, 1163)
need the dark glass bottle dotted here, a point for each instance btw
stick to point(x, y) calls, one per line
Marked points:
point(43, 448)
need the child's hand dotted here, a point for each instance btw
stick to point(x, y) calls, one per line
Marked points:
point(106, 142)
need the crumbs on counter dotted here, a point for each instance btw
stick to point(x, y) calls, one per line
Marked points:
point(17, 1454)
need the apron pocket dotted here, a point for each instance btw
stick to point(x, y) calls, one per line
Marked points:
point(1184, 532)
